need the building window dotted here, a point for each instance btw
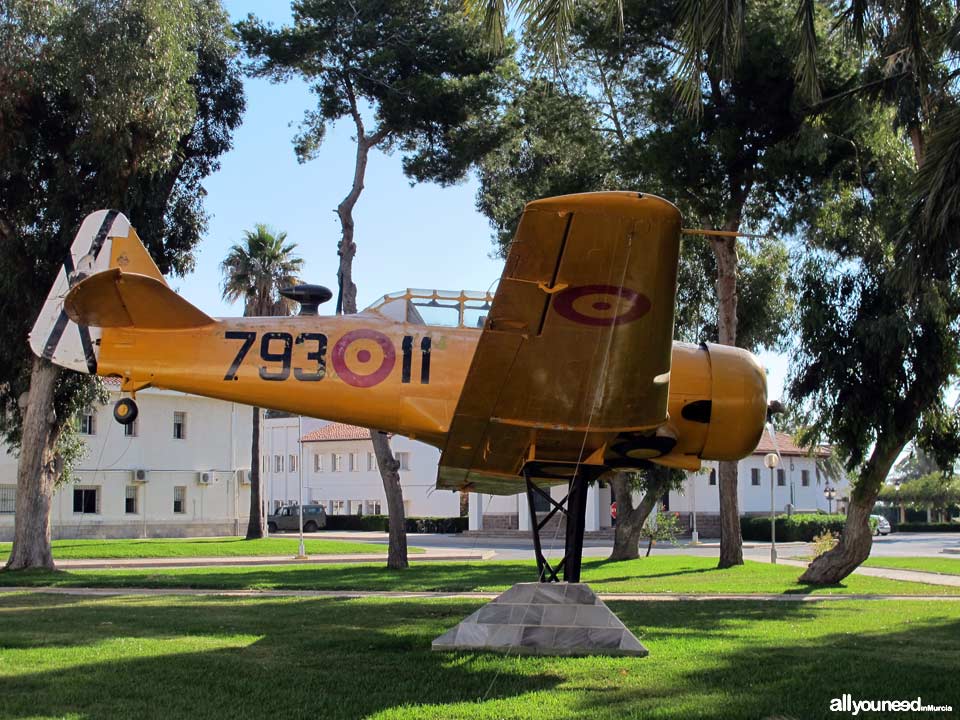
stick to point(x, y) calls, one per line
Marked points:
point(754, 476)
point(354, 462)
point(130, 501)
point(371, 461)
point(373, 507)
point(179, 426)
point(336, 507)
point(8, 498)
point(130, 429)
point(266, 463)
point(86, 500)
point(293, 463)
point(336, 462)
point(317, 462)
point(781, 478)
point(180, 499)
point(713, 477)
point(404, 459)
point(88, 423)
point(805, 478)
point(278, 463)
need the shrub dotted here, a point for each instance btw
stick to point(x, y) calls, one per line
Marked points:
point(928, 527)
point(824, 542)
point(796, 528)
point(381, 523)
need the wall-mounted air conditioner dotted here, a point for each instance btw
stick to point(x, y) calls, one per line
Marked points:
point(206, 477)
point(139, 476)
point(243, 476)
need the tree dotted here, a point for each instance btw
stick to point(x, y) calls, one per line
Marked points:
point(653, 483)
point(417, 68)
point(135, 126)
point(254, 271)
point(876, 351)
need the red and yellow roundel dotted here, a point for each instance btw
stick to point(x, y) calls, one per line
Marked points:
point(601, 305)
point(363, 358)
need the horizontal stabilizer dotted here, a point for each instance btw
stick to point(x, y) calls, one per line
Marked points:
point(114, 298)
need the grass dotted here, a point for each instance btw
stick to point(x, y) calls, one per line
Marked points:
point(945, 565)
point(207, 658)
point(673, 573)
point(201, 547)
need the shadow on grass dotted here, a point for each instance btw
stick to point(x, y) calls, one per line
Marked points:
point(775, 660)
point(285, 658)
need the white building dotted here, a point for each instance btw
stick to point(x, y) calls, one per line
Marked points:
point(340, 470)
point(178, 470)
point(798, 482)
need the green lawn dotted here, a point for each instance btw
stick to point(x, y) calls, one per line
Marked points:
point(680, 574)
point(945, 565)
point(235, 658)
point(200, 547)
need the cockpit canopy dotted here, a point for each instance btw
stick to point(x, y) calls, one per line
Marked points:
point(443, 308)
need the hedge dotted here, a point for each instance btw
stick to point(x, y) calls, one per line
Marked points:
point(928, 527)
point(380, 523)
point(801, 527)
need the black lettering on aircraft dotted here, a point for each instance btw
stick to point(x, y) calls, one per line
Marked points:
point(317, 354)
point(283, 357)
point(248, 338)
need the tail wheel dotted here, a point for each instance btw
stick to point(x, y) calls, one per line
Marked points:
point(125, 411)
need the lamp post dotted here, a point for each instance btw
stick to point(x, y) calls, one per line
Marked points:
point(896, 486)
point(829, 493)
point(771, 460)
point(301, 551)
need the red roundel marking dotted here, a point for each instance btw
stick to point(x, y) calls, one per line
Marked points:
point(639, 304)
point(339, 358)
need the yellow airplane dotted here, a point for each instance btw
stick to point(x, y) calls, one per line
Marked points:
point(568, 371)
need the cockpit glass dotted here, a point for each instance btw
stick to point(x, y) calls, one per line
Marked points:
point(437, 308)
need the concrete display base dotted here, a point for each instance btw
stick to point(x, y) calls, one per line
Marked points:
point(544, 619)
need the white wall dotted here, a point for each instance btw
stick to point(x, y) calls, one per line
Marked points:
point(217, 439)
point(363, 486)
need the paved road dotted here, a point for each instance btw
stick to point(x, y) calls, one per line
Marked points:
point(895, 545)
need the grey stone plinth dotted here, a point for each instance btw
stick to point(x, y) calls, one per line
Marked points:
point(544, 619)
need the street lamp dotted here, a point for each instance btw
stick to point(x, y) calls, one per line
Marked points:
point(829, 493)
point(771, 460)
point(896, 486)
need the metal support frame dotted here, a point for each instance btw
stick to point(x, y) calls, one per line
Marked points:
point(574, 507)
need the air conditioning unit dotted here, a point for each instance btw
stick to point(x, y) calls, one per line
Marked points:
point(243, 476)
point(205, 478)
point(139, 475)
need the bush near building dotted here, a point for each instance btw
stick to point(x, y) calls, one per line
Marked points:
point(380, 523)
point(928, 527)
point(795, 528)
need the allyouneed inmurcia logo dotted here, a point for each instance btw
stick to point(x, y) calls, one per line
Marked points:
point(846, 704)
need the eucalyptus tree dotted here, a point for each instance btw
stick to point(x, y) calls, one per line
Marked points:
point(254, 272)
point(101, 105)
point(410, 75)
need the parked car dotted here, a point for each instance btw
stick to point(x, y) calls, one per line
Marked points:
point(288, 518)
point(883, 526)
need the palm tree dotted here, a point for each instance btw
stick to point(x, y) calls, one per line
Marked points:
point(254, 271)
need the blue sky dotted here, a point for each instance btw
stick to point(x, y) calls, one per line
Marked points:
point(421, 236)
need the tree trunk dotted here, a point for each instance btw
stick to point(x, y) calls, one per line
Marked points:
point(725, 250)
point(630, 519)
point(37, 472)
point(255, 524)
point(347, 303)
point(390, 473)
point(857, 539)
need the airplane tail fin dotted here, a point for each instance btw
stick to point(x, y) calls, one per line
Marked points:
point(106, 253)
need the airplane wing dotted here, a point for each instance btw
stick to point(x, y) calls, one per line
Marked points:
point(576, 350)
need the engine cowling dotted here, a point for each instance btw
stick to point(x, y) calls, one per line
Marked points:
point(718, 401)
